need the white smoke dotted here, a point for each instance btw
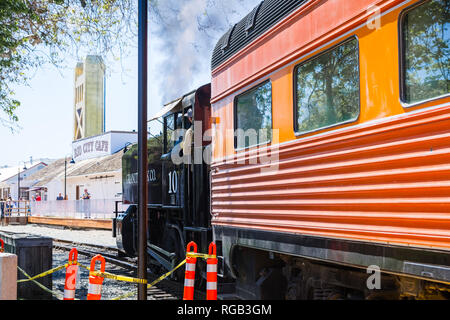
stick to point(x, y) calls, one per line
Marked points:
point(187, 31)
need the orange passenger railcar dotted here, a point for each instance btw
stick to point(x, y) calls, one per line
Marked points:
point(331, 149)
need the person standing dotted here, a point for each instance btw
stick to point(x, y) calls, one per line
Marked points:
point(86, 204)
point(2, 207)
point(86, 195)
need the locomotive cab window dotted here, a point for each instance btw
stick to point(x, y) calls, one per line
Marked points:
point(253, 117)
point(425, 51)
point(171, 123)
point(327, 88)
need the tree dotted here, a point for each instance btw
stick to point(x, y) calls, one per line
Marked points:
point(34, 32)
point(328, 88)
point(427, 54)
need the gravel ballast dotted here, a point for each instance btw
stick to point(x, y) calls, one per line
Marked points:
point(111, 288)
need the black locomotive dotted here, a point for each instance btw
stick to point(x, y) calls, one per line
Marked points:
point(178, 189)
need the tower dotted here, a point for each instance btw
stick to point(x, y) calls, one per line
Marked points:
point(89, 98)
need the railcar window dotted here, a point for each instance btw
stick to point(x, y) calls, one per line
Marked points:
point(253, 116)
point(426, 54)
point(327, 88)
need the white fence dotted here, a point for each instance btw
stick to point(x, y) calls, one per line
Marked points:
point(92, 208)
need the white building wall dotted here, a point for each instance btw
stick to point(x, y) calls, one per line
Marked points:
point(11, 182)
point(103, 188)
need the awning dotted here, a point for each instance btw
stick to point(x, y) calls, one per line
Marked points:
point(36, 189)
point(188, 100)
point(171, 107)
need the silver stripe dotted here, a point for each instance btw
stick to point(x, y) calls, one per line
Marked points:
point(69, 294)
point(189, 282)
point(211, 268)
point(211, 286)
point(190, 267)
point(95, 288)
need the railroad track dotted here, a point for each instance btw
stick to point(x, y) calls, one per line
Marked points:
point(167, 289)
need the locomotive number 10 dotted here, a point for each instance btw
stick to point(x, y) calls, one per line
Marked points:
point(173, 182)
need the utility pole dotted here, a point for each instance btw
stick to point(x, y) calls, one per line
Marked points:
point(142, 147)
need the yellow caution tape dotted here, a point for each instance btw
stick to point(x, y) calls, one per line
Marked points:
point(110, 275)
point(200, 255)
point(153, 283)
point(117, 277)
point(43, 274)
point(60, 297)
point(166, 274)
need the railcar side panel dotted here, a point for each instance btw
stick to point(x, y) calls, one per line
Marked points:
point(382, 178)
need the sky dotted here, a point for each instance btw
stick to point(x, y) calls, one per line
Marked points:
point(179, 58)
point(46, 111)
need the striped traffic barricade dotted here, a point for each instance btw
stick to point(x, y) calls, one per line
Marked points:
point(95, 281)
point(189, 277)
point(71, 275)
point(211, 273)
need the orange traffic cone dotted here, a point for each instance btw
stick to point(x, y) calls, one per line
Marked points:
point(96, 282)
point(71, 276)
point(189, 277)
point(211, 273)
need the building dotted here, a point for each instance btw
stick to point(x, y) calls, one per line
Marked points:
point(100, 176)
point(102, 145)
point(89, 98)
point(12, 178)
point(96, 162)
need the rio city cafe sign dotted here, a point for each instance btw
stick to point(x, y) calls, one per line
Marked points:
point(91, 148)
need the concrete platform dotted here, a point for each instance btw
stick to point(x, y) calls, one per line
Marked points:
point(104, 224)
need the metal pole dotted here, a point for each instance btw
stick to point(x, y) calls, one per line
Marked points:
point(65, 178)
point(18, 183)
point(142, 148)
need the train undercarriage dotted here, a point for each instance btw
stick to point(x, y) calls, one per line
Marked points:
point(265, 275)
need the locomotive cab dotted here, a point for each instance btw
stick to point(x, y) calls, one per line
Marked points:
point(178, 184)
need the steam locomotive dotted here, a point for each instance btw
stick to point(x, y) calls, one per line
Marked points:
point(326, 125)
point(178, 194)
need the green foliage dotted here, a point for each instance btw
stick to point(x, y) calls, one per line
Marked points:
point(254, 116)
point(427, 54)
point(328, 88)
point(35, 32)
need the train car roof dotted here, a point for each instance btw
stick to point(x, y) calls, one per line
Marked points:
point(258, 21)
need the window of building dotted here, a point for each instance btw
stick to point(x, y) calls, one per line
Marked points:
point(253, 116)
point(327, 88)
point(426, 53)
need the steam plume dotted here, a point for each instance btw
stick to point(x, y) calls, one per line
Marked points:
point(188, 31)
